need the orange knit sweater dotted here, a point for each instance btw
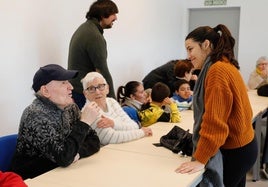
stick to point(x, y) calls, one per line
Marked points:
point(226, 122)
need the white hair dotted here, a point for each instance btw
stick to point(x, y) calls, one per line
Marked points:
point(90, 78)
point(261, 59)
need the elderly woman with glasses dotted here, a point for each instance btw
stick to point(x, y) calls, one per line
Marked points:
point(113, 125)
point(259, 76)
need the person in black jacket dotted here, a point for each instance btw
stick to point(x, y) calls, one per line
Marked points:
point(169, 73)
point(53, 132)
point(164, 74)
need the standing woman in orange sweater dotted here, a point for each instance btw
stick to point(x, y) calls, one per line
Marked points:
point(223, 136)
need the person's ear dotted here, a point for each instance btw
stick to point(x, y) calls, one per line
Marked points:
point(44, 91)
point(206, 44)
point(132, 96)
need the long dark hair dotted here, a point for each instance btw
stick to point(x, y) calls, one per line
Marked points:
point(127, 90)
point(221, 39)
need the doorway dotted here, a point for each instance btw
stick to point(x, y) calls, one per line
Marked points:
point(213, 16)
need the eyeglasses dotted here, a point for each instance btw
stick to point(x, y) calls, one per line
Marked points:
point(92, 89)
point(263, 64)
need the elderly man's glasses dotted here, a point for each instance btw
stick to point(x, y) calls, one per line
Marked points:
point(92, 89)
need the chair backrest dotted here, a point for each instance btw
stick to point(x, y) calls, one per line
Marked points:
point(265, 146)
point(7, 149)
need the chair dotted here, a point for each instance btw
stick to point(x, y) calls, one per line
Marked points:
point(258, 122)
point(264, 160)
point(7, 149)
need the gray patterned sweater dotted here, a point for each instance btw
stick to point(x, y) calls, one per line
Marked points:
point(50, 137)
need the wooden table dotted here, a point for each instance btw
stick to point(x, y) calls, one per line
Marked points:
point(145, 145)
point(134, 164)
point(258, 103)
point(117, 168)
point(137, 163)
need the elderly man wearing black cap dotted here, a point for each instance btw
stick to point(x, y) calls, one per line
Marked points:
point(53, 132)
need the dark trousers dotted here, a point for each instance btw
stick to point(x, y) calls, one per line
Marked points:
point(79, 99)
point(237, 162)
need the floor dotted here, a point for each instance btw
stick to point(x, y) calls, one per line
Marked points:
point(263, 182)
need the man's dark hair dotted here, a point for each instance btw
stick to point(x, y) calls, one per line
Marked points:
point(102, 9)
